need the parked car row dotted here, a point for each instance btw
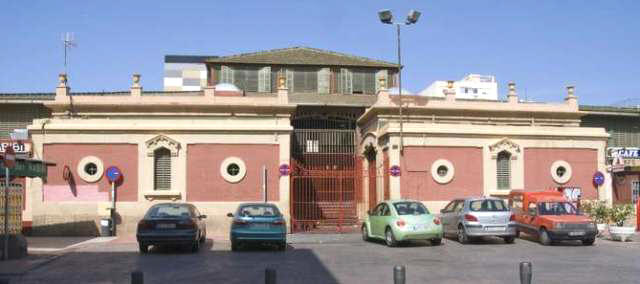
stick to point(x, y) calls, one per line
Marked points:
point(182, 224)
point(547, 215)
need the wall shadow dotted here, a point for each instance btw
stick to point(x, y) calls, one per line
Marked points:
point(173, 265)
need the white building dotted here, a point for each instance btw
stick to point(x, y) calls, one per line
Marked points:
point(472, 86)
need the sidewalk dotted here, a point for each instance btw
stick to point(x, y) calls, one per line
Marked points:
point(42, 250)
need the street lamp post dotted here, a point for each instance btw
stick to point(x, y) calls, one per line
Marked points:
point(386, 17)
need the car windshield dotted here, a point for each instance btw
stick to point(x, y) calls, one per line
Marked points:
point(556, 208)
point(169, 211)
point(410, 208)
point(258, 211)
point(490, 205)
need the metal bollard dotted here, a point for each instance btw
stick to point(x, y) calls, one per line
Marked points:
point(399, 274)
point(526, 272)
point(137, 277)
point(270, 276)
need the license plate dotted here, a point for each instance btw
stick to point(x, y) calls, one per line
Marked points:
point(419, 227)
point(576, 233)
point(494, 229)
point(165, 226)
point(260, 226)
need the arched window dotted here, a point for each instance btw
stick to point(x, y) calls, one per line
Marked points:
point(162, 169)
point(503, 170)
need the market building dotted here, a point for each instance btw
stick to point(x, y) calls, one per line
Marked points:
point(316, 132)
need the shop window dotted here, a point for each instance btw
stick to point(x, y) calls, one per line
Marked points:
point(635, 191)
point(162, 169)
point(503, 170)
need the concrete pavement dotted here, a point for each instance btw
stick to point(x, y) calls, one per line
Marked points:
point(325, 259)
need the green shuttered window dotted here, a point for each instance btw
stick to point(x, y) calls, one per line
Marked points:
point(504, 170)
point(162, 169)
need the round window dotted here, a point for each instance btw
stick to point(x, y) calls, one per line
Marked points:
point(560, 171)
point(442, 170)
point(233, 169)
point(90, 169)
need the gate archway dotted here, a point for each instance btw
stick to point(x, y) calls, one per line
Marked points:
point(326, 170)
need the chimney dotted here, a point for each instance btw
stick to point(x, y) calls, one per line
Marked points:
point(449, 92)
point(383, 93)
point(571, 98)
point(283, 92)
point(62, 91)
point(512, 97)
point(136, 88)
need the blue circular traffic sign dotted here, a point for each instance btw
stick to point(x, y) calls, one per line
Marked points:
point(113, 174)
point(598, 178)
point(394, 170)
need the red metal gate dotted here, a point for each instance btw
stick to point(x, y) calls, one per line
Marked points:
point(325, 180)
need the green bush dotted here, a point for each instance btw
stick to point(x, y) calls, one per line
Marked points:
point(620, 213)
point(598, 210)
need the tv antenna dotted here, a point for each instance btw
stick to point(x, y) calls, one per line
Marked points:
point(68, 40)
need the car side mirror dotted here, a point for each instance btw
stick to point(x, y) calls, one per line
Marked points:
point(229, 214)
point(202, 216)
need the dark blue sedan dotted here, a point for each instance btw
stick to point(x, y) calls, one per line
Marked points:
point(258, 223)
point(172, 224)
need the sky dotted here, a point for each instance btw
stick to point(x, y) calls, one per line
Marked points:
point(541, 45)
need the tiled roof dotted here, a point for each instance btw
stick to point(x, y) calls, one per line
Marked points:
point(302, 56)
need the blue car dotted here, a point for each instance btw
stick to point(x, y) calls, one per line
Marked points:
point(258, 223)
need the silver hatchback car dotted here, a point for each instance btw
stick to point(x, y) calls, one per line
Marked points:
point(477, 217)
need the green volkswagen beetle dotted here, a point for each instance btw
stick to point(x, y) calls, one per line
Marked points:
point(402, 220)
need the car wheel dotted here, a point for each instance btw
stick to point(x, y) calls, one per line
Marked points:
point(144, 248)
point(389, 238)
point(509, 240)
point(436, 242)
point(588, 242)
point(234, 246)
point(365, 233)
point(544, 237)
point(462, 235)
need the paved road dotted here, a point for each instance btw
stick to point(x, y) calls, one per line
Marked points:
point(348, 260)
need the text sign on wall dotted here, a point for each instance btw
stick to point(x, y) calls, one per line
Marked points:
point(18, 148)
point(624, 152)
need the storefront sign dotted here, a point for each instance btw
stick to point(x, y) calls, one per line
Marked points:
point(18, 147)
point(624, 152)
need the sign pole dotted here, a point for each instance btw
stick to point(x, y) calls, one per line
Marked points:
point(6, 213)
point(113, 208)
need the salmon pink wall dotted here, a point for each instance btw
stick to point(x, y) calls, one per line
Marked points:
point(416, 180)
point(204, 182)
point(537, 168)
point(124, 156)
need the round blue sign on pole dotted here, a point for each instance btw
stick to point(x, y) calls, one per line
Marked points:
point(113, 174)
point(394, 170)
point(598, 178)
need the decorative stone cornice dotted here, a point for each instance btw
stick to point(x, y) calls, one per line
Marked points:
point(505, 144)
point(162, 141)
